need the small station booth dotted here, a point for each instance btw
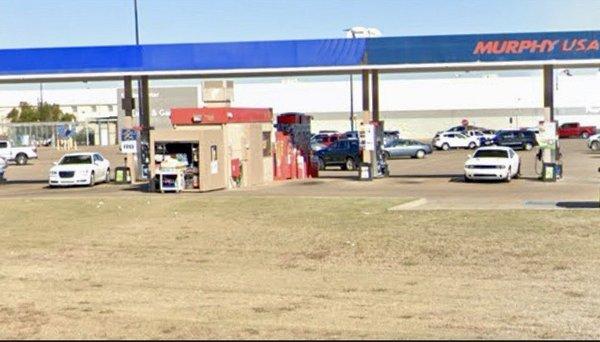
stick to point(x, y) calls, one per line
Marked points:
point(212, 148)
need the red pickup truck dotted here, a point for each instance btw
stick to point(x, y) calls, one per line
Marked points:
point(574, 129)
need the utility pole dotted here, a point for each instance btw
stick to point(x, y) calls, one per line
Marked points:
point(137, 32)
point(41, 96)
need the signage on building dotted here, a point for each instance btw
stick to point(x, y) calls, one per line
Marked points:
point(129, 140)
point(499, 47)
point(129, 147)
point(128, 134)
point(513, 47)
point(161, 101)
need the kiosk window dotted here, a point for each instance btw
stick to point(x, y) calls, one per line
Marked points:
point(213, 153)
point(266, 144)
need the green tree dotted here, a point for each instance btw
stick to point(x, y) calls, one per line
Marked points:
point(44, 113)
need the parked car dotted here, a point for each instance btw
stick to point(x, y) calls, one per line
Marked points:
point(321, 140)
point(594, 142)
point(19, 155)
point(3, 165)
point(485, 136)
point(349, 135)
point(389, 136)
point(521, 139)
point(493, 163)
point(80, 169)
point(574, 129)
point(406, 148)
point(447, 140)
point(535, 130)
point(462, 129)
point(344, 153)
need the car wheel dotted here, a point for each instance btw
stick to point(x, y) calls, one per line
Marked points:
point(467, 179)
point(420, 154)
point(107, 178)
point(518, 174)
point(445, 147)
point(92, 180)
point(585, 135)
point(321, 164)
point(350, 166)
point(21, 159)
point(387, 155)
point(472, 145)
point(595, 146)
point(528, 146)
point(509, 175)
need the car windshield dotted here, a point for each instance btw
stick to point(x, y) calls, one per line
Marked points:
point(491, 154)
point(79, 159)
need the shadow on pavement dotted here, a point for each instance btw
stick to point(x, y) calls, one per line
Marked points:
point(144, 187)
point(579, 205)
point(454, 175)
point(24, 182)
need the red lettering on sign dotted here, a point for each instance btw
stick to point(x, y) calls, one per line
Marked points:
point(569, 45)
point(525, 45)
point(483, 47)
point(512, 46)
point(593, 45)
point(499, 47)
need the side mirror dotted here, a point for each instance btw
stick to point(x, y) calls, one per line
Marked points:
point(55, 163)
point(469, 156)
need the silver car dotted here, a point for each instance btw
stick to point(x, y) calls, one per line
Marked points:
point(406, 148)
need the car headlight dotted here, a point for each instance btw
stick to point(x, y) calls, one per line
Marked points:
point(53, 173)
point(469, 167)
point(500, 167)
point(84, 172)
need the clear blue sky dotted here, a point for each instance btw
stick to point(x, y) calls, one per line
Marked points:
point(46, 23)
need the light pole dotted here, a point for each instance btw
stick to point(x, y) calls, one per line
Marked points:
point(362, 32)
point(137, 32)
point(351, 32)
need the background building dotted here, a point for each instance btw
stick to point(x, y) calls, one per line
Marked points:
point(418, 105)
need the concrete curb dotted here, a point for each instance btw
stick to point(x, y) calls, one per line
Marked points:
point(409, 205)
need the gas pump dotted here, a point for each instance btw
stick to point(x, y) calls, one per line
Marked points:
point(374, 164)
point(549, 156)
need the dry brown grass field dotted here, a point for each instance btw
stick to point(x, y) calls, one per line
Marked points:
point(169, 267)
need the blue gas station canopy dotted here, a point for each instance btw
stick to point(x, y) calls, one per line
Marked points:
point(300, 56)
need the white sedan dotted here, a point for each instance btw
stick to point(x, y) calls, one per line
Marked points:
point(448, 140)
point(493, 163)
point(80, 169)
point(3, 165)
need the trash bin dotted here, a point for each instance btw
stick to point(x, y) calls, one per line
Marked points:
point(549, 172)
point(122, 175)
point(365, 172)
point(559, 170)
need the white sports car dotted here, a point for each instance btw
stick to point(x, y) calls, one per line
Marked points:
point(493, 163)
point(80, 169)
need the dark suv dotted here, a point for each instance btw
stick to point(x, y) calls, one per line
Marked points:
point(517, 139)
point(344, 153)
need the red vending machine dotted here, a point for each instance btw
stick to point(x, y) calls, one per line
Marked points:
point(295, 127)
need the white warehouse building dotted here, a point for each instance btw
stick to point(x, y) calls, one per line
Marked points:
point(416, 106)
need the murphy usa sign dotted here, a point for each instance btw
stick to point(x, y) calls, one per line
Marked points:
point(500, 47)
